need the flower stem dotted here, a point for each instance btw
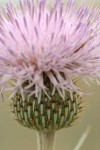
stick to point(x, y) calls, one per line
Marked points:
point(46, 140)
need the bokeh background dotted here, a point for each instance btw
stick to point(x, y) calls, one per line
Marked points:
point(15, 137)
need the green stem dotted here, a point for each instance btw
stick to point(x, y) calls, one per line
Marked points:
point(46, 140)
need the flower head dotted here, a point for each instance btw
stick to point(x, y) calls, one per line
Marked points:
point(42, 46)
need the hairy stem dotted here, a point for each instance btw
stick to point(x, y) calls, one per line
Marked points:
point(46, 140)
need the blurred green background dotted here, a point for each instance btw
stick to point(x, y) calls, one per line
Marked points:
point(15, 137)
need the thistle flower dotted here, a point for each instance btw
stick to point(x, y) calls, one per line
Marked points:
point(42, 51)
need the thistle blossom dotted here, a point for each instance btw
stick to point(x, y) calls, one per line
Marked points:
point(60, 43)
